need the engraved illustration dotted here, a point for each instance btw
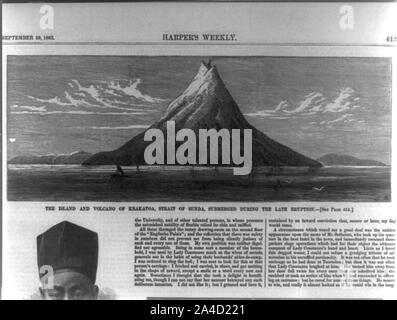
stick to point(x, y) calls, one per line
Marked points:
point(84, 128)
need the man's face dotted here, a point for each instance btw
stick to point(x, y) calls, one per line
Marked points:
point(70, 285)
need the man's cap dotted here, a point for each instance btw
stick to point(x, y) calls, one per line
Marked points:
point(69, 246)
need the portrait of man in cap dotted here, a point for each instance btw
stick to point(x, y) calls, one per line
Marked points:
point(67, 257)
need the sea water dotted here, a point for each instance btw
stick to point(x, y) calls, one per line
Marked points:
point(184, 183)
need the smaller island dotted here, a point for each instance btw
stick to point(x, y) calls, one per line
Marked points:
point(77, 157)
point(332, 159)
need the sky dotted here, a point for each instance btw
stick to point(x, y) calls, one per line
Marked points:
point(315, 105)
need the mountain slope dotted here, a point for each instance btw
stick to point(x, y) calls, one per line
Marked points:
point(206, 104)
point(333, 159)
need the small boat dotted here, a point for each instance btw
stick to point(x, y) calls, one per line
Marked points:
point(119, 174)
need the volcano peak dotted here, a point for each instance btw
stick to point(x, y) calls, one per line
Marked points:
point(207, 104)
point(207, 72)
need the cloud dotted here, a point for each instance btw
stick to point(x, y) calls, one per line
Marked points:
point(343, 102)
point(133, 126)
point(131, 89)
point(347, 117)
point(56, 100)
point(93, 93)
point(77, 102)
point(319, 110)
point(42, 111)
point(113, 93)
point(311, 103)
point(122, 95)
point(314, 103)
point(346, 122)
point(281, 106)
point(261, 113)
point(31, 108)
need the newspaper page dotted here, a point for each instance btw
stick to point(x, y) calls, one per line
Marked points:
point(198, 150)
